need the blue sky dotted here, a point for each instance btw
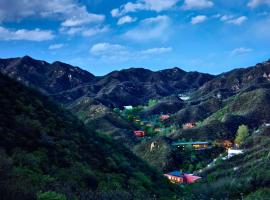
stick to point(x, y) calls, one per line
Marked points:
point(100, 36)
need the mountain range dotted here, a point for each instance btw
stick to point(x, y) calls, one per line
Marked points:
point(216, 104)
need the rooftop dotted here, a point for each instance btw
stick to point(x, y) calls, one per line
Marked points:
point(189, 143)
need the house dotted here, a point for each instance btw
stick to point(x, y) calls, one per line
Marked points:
point(189, 125)
point(137, 120)
point(184, 97)
point(178, 177)
point(233, 152)
point(139, 133)
point(227, 144)
point(128, 107)
point(195, 145)
point(164, 117)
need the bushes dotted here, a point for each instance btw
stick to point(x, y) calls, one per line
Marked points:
point(50, 196)
point(261, 194)
point(242, 134)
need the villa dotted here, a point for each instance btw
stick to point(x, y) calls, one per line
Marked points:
point(234, 152)
point(139, 133)
point(164, 117)
point(189, 125)
point(195, 145)
point(128, 107)
point(178, 177)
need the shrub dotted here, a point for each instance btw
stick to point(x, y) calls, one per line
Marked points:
point(50, 196)
point(242, 134)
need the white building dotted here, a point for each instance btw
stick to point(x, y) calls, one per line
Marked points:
point(128, 107)
point(234, 152)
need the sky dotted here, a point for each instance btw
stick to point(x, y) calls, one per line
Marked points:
point(211, 36)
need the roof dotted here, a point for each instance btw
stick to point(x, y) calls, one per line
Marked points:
point(175, 173)
point(189, 143)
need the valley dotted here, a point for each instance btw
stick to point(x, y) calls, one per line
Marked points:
point(140, 125)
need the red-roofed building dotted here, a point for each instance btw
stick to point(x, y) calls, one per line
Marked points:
point(189, 125)
point(178, 177)
point(164, 117)
point(139, 133)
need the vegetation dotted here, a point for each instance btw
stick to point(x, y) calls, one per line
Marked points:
point(46, 153)
point(242, 134)
point(244, 176)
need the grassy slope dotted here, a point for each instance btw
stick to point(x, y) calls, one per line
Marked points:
point(244, 176)
point(43, 147)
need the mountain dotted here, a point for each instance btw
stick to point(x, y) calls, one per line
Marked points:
point(71, 86)
point(45, 152)
point(119, 88)
point(234, 81)
point(50, 78)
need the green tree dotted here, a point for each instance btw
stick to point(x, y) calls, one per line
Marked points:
point(50, 196)
point(242, 134)
point(152, 102)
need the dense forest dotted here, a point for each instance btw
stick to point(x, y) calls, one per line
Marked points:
point(46, 153)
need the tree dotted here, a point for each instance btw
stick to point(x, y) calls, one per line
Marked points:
point(50, 196)
point(242, 134)
point(152, 102)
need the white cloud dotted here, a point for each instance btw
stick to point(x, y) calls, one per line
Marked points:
point(152, 5)
point(126, 20)
point(256, 3)
point(68, 11)
point(198, 19)
point(94, 31)
point(155, 51)
point(56, 46)
point(23, 34)
point(225, 18)
point(86, 18)
point(230, 19)
point(197, 4)
point(84, 31)
point(237, 21)
point(107, 52)
point(107, 49)
point(151, 29)
point(240, 51)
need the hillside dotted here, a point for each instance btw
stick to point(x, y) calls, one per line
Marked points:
point(242, 177)
point(46, 151)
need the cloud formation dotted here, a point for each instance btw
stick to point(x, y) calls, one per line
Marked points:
point(23, 34)
point(56, 46)
point(126, 20)
point(198, 19)
point(197, 4)
point(150, 29)
point(152, 5)
point(230, 19)
point(84, 31)
point(240, 51)
point(156, 51)
point(256, 3)
point(68, 11)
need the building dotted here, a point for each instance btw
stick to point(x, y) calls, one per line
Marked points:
point(128, 107)
point(196, 145)
point(164, 117)
point(139, 133)
point(227, 144)
point(184, 97)
point(189, 125)
point(234, 152)
point(178, 177)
